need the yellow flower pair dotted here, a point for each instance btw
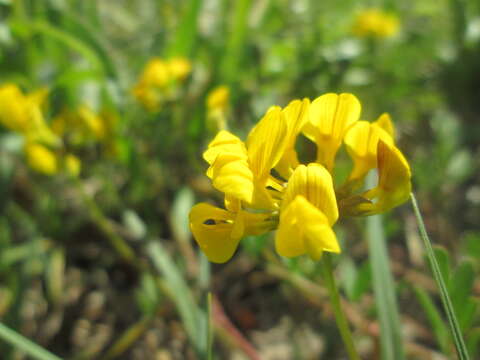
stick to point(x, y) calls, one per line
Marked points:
point(156, 78)
point(23, 114)
point(266, 187)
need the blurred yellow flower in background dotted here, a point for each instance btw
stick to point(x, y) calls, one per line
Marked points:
point(22, 113)
point(41, 159)
point(375, 23)
point(72, 164)
point(217, 108)
point(158, 75)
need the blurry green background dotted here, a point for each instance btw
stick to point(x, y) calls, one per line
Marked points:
point(103, 266)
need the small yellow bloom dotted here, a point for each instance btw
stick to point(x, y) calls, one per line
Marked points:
point(331, 115)
point(375, 23)
point(179, 67)
point(41, 159)
point(156, 78)
point(218, 98)
point(22, 113)
point(92, 122)
point(72, 164)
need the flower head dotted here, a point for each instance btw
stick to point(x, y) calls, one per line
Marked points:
point(22, 113)
point(375, 23)
point(266, 187)
point(157, 78)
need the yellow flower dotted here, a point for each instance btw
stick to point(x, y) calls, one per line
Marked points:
point(243, 170)
point(266, 187)
point(309, 210)
point(375, 23)
point(22, 113)
point(72, 164)
point(156, 78)
point(81, 125)
point(179, 67)
point(331, 115)
point(218, 98)
point(41, 159)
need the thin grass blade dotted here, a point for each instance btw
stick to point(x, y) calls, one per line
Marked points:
point(437, 274)
point(20, 342)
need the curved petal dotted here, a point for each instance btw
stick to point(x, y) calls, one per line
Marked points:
point(224, 142)
point(361, 141)
point(266, 143)
point(304, 229)
point(216, 231)
point(394, 180)
point(331, 115)
point(296, 116)
point(314, 183)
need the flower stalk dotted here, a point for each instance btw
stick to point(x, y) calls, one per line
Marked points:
point(340, 317)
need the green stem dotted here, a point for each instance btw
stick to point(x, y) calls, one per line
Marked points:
point(209, 327)
point(340, 317)
point(20, 342)
point(446, 302)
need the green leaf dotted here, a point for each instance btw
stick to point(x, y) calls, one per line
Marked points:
point(438, 326)
point(443, 259)
point(194, 319)
point(384, 290)
point(186, 35)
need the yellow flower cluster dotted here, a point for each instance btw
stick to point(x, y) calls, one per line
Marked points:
point(375, 23)
point(266, 187)
point(157, 79)
point(44, 144)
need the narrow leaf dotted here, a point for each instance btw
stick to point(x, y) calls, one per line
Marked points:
point(447, 303)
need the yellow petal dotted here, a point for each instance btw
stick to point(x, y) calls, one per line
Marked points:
point(13, 105)
point(225, 142)
point(361, 141)
point(394, 182)
point(216, 231)
point(304, 229)
point(331, 115)
point(73, 165)
point(385, 122)
point(266, 143)
point(179, 67)
point(314, 183)
point(296, 116)
point(41, 159)
point(233, 177)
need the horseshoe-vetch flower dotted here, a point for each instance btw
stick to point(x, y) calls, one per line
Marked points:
point(266, 187)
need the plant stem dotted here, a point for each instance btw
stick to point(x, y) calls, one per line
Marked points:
point(340, 317)
point(446, 302)
point(20, 342)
